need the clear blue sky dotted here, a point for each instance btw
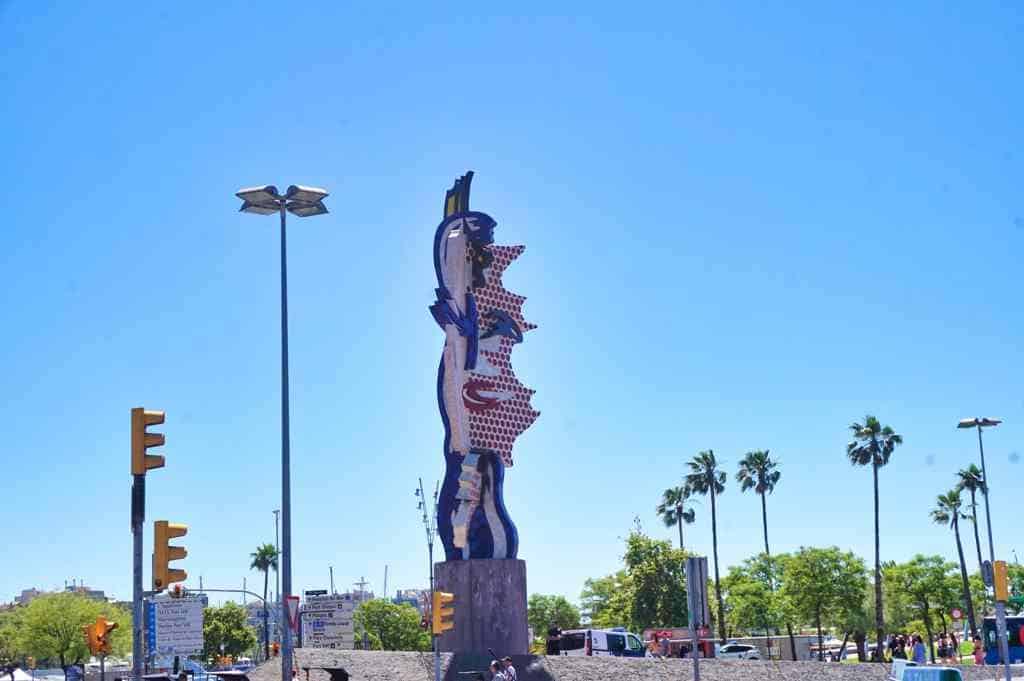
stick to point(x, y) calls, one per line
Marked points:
point(745, 228)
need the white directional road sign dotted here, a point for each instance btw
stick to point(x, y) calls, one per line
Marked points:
point(179, 626)
point(327, 621)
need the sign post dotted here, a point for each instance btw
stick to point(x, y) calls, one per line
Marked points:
point(696, 605)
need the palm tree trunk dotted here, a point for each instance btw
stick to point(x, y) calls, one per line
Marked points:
point(764, 523)
point(266, 628)
point(679, 521)
point(963, 577)
point(714, 549)
point(974, 521)
point(842, 648)
point(767, 554)
point(879, 622)
point(977, 544)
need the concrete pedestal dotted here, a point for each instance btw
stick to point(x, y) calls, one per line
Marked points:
point(490, 606)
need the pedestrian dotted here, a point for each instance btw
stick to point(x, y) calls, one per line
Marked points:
point(654, 647)
point(918, 654)
point(943, 648)
point(509, 670)
point(979, 651)
point(899, 651)
point(665, 646)
point(954, 649)
point(496, 673)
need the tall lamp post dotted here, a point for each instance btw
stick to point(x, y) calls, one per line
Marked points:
point(979, 423)
point(277, 573)
point(301, 202)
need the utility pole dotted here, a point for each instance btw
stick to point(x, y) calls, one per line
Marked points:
point(331, 568)
point(430, 526)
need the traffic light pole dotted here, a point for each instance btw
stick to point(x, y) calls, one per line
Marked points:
point(138, 517)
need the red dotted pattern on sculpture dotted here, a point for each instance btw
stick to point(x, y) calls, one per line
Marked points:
point(497, 428)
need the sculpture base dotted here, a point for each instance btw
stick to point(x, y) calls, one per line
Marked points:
point(490, 606)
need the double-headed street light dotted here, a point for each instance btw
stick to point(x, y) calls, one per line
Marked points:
point(979, 423)
point(301, 202)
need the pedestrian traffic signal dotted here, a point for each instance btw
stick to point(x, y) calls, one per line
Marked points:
point(1000, 581)
point(164, 553)
point(103, 629)
point(141, 440)
point(440, 612)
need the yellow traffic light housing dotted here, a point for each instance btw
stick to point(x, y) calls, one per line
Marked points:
point(1000, 581)
point(443, 612)
point(164, 553)
point(103, 629)
point(141, 440)
point(92, 641)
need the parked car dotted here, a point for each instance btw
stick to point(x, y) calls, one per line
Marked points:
point(738, 651)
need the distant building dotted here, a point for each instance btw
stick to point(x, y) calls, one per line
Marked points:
point(417, 598)
point(94, 594)
point(28, 595)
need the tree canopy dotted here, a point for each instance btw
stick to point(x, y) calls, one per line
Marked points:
point(227, 626)
point(390, 626)
point(50, 627)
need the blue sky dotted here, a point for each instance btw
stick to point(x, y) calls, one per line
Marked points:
point(745, 228)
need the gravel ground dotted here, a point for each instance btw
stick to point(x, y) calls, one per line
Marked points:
point(378, 666)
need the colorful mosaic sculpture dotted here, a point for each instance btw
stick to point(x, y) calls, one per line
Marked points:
point(483, 405)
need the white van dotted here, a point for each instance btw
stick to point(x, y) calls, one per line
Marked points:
point(614, 642)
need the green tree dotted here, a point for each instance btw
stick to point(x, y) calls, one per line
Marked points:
point(658, 577)
point(51, 627)
point(947, 512)
point(750, 597)
point(10, 639)
point(673, 509)
point(264, 559)
point(545, 612)
point(818, 581)
point(758, 472)
point(226, 631)
point(920, 582)
point(390, 626)
point(705, 478)
point(972, 480)
point(873, 445)
point(607, 601)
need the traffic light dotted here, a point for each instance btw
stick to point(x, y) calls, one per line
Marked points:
point(103, 628)
point(141, 440)
point(163, 553)
point(1000, 581)
point(92, 640)
point(439, 611)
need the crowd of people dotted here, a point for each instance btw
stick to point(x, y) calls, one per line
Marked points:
point(502, 670)
point(947, 649)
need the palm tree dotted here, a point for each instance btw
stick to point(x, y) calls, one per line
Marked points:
point(673, 510)
point(972, 480)
point(706, 478)
point(873, 445)
point(758, 472)
point(264, 559)
point(947, 512)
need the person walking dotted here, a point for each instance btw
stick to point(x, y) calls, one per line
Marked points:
point(979, 652)
point(918, 654)
point(496, 673)
point(508, 669)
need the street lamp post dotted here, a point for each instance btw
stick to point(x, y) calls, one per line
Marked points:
point(277, 573)
point(979, 423)
point(301, 202)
